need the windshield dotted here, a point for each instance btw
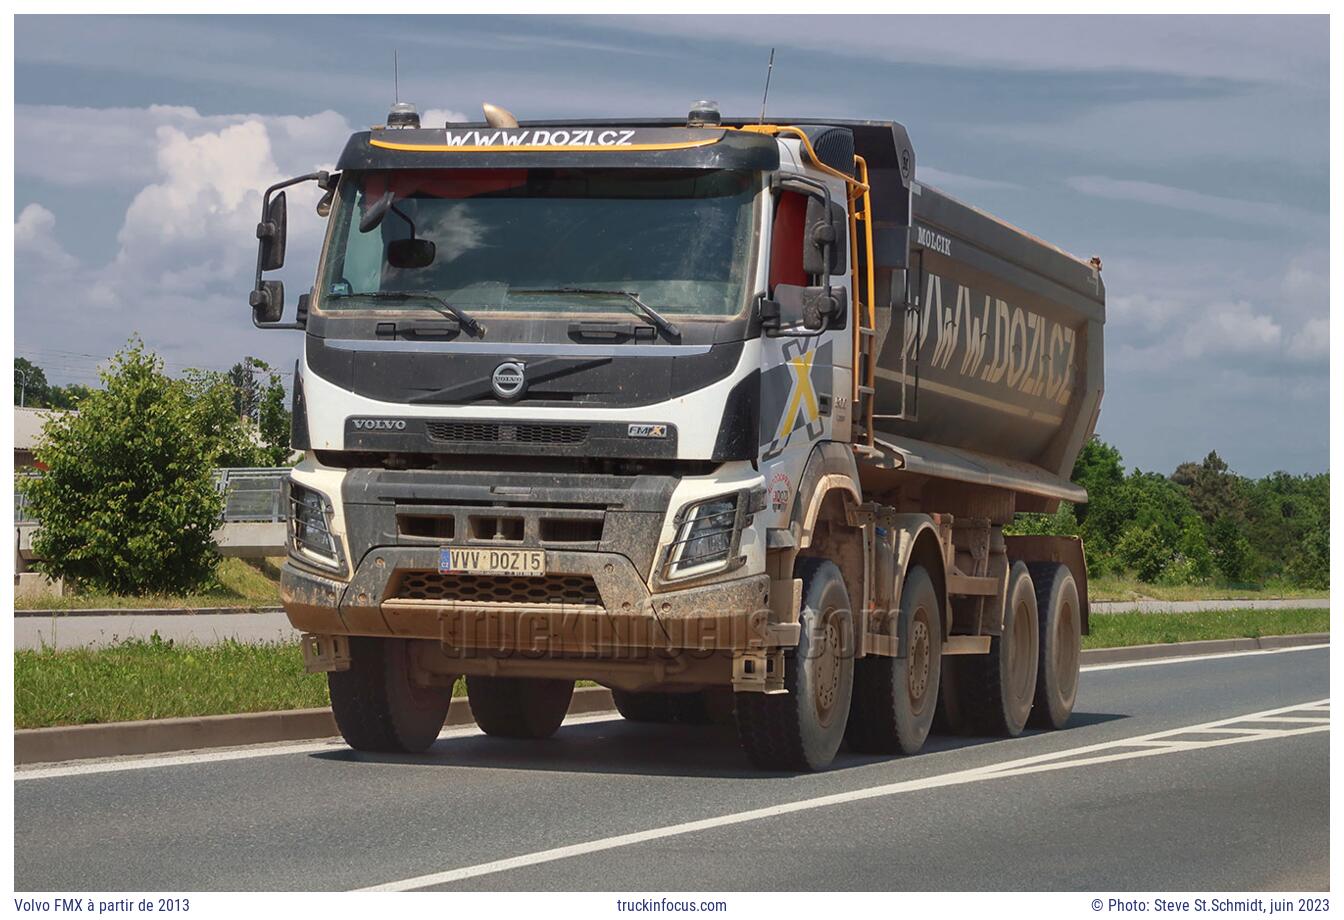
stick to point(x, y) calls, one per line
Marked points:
point(523, 240)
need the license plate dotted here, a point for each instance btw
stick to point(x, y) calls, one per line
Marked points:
point(491, 561)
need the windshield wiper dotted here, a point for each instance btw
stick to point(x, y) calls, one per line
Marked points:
point(464, 319)
point(657, 318)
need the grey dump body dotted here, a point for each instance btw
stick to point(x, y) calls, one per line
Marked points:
point(999, 349)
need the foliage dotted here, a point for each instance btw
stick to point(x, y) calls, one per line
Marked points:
point(128, 504)
point(1201, 524)
point(32, 389)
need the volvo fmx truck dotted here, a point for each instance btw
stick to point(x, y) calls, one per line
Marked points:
point(725, 416)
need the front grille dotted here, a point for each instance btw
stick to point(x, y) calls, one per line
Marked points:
point(499, 589)
point(524, 433)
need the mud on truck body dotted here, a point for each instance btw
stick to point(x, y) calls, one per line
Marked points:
point(727, 417)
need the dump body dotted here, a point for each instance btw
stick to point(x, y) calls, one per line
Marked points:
point(999, 350)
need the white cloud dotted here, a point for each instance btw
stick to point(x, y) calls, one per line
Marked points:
point(1269, 213)
point(433, 118)
point(35, 240)
point(68, 145)
point(1282, 49)
point(186, 247)
point(958, 182)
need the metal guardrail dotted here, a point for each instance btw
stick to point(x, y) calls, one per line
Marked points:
point(251, 495)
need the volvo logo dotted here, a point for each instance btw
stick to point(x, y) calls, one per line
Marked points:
point(380, 424)
point(509, 379)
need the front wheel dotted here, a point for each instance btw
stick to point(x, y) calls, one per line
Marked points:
point(377, 704)
point(801, 729)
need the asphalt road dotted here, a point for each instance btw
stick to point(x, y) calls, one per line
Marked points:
point(73, 631)
point(1141, 792)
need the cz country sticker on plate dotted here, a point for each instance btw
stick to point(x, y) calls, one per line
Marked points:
point(457, 559)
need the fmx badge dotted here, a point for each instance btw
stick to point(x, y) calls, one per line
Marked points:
point(647, 431)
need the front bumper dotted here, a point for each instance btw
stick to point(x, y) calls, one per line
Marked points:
point(588, 605)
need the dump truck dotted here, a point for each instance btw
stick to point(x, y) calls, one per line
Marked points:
point(728, 416)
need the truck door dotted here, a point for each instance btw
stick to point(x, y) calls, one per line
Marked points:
point(805, 382)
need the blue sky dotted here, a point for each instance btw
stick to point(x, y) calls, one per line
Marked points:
point(1190, 153)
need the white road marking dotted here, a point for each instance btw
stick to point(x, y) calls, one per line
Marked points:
point(1149, 662)
point(1155, 744)
point(152, 761)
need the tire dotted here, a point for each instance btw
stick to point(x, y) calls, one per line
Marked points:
point(998, 688)
point(662, 708)
point(950, 717)
point(518, 707)
point(378, 707)
point(1061, 630)
point(895, 698)
point(801, 729)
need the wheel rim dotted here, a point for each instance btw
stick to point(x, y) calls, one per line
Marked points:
point(917, 661)
point(1066, 651)
point(1019, 656)
point(827, 683)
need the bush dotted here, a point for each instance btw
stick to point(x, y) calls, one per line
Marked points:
point(1142, 549)
point(128, 504)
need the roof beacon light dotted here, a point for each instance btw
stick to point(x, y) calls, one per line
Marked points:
point(403, 115)
point(704, 114)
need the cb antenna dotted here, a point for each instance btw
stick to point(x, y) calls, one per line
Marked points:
point(396, 78)
point(765, 95)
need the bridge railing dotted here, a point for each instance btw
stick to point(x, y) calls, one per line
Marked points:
point(251, 495)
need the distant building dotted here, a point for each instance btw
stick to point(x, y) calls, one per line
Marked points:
point(28, 432)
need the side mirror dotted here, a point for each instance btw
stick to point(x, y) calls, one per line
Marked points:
point(268, 302)
point(374, 214)
point(410, 253)
point(268, 297)
point(271, 232)
point(814, 308)
point(825, 232)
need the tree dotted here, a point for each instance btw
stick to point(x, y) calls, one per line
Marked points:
point(128, 503)
point(246, 390)
point(274, 422)
point(264, 408)
point(30, 384)
point(1142, 549)
point(1214, 490)
point(67, 397)
point(1231, 550)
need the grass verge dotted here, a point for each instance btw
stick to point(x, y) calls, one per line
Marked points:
point(242, 583)
point(140, 679)
point(1110, 630)
point(1128, 588)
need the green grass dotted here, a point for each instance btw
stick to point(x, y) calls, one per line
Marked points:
point(1129, 588)
point(140, 679)
point(1110, 630)
point(242, 583)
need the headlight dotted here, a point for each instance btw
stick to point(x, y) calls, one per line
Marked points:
point(310, 536)
point(708, 534)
